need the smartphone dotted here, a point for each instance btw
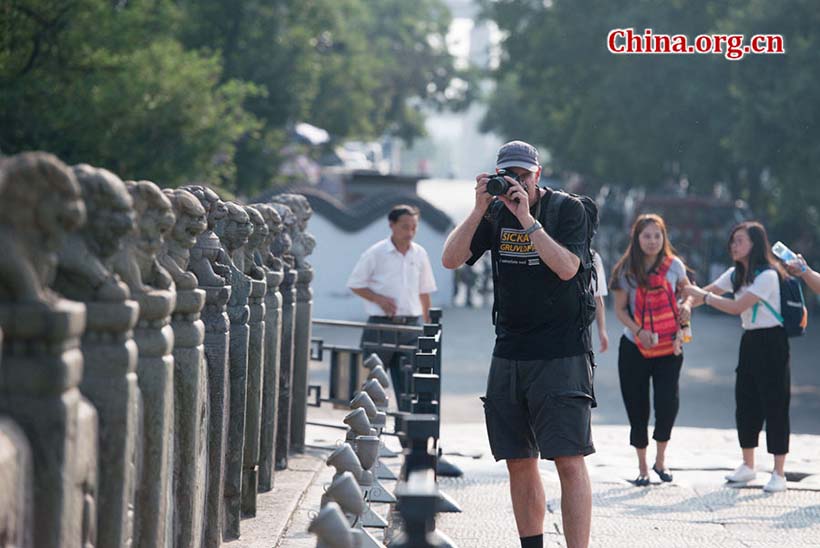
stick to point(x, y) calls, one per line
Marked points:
point(782, 252)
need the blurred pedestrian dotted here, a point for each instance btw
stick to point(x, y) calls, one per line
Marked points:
point(763, 377)
point(600, 291)
point(644, 282)
point(395, 279)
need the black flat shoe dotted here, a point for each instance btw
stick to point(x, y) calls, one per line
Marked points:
point(663, 474)
point(641, 481)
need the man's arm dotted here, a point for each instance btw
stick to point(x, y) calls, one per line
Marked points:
point(457, 247)
point(600, 320)
point(385, 303)
point(559, 259)
point(425, 306)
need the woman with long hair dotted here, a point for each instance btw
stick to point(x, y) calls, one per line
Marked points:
point(645, 281)
point(762, 382)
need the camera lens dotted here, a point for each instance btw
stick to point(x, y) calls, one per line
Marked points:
point(497, 185)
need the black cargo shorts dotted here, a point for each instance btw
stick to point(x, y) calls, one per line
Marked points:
point(544, 406)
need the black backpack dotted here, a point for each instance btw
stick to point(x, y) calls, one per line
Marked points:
point(793, 313)
point(587, 278)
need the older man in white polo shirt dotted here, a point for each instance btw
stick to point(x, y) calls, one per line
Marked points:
point(395, 279)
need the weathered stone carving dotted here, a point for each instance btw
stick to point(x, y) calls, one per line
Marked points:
point(302, 242)
point(256, 239)
point(209, 263)
point(110, 355)
point(40, 204)
point(234, 231)
point(263, 254)
point(303, 245)
point(191, 222)
point(256, 359)
point(84, 272)
point(208, 260)
point(273, 332)
point(190, 372)
point(137, 262)
point(151, 285)
point(281, 248)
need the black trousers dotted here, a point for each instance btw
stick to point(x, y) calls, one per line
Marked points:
point(635, 372)
point(763, 389)
point(392, 358)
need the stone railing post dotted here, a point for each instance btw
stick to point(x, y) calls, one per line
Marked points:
point(110, 382)
point(288, 291)
point(155, 370)
point(270, 380)
point(217, 327)
point(191, 418)
point(301, 357)
point(41, 368)
point(253, 408)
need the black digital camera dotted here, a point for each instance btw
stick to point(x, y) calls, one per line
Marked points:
point(498, 185)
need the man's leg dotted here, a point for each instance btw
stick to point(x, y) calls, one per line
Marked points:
point(527, 493)
point(576, 500)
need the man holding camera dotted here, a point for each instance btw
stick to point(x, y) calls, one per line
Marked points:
point(539, 389)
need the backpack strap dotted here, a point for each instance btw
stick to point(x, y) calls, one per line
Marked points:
point(555, 201)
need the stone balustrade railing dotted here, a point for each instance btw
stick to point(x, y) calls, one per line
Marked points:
point(154, 356)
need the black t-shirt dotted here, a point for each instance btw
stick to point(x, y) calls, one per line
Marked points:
point(538, 313)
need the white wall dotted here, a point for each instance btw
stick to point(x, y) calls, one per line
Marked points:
point(337, 252)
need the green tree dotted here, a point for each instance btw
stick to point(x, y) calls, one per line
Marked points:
point(110, 85)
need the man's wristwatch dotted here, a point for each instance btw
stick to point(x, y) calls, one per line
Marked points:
point(535, 226)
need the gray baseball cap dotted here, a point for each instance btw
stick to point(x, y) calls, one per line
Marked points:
point(517, 154)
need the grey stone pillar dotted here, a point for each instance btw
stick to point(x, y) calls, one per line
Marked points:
point(155, 370)
point(301, 357)
point(270, 380)
point(110, 382)
point(216, 357)
point(288, 291)
point(239, 314)
point(16, 519)
point(253, 408)
point(191, 419)
point(41, 368)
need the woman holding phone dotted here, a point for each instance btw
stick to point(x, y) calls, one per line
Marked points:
point(762, 382)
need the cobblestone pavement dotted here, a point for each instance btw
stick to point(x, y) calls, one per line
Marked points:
point(698, 509)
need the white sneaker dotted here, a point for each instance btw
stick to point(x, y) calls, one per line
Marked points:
point(742, 474)
point(776, 484)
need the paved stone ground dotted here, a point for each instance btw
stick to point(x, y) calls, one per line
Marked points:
point(697, 509)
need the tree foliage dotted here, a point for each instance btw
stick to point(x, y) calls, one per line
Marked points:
point(640, 119)
point(207, 89)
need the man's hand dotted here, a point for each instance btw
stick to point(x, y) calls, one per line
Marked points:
point(482, 198)
point(387, 304)
point(518, 202)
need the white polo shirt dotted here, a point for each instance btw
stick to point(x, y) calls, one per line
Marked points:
point(384, 270)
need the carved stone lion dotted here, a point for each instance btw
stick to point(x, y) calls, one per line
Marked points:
point(84, 272)
point(208, 260)
point(263, 255)
point(281, 246)
point(40, 204)
point(234, 231)
point(256, 239)
point(191, 221)
point(137, 262)
point(302, 243)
